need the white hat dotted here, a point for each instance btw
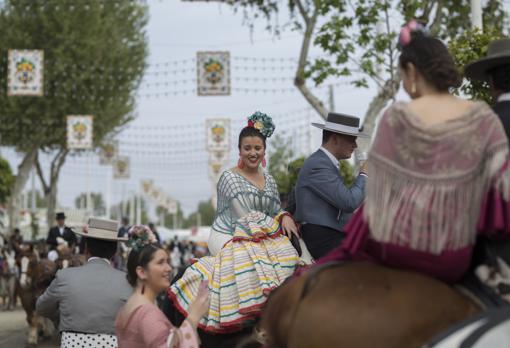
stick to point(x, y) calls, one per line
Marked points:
point(343, 124)
point(101, 229)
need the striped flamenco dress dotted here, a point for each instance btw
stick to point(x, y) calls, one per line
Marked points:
point(250, 256)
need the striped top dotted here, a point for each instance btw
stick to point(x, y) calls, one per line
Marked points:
point(237, 197)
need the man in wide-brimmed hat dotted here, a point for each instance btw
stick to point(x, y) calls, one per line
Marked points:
point(323, 202)
point(495, 69)
point(87, 298)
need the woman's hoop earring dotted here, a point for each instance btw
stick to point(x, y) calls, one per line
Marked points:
point(413, 88)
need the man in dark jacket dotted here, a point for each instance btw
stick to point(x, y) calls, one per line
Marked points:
point(495, 70)
point(60, 234)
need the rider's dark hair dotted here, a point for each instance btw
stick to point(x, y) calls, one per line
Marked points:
point(251, 132)
point(432, 59)
point(101, 248)
point(140, 258)
point(501, 78)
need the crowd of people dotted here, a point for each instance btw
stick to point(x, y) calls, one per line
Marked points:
point(432, 198)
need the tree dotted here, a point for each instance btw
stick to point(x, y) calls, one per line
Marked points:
point(98, 204)
point(279, 157)
point(468, 47)
point(94, 55)
point(6, 180)
point(358, 39)
point(206, 212)
point(167, 219)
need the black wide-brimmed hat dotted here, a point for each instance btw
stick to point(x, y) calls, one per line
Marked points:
point(60, 216)
point(498, 54)
point(343, 124)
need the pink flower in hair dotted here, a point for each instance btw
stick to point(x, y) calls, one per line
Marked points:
point(142, 232)
point(413, 25)
point(405, 36)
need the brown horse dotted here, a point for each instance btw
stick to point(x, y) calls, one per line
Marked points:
point(35, 276)
point(362, 305)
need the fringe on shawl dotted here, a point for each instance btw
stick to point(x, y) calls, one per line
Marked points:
point(431, 214)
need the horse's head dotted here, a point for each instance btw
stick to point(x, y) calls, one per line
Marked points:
point(26, 262)
point(64, 256)
point(44, 273)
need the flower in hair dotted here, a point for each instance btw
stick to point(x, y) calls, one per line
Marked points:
point(140, 236)
point(407, 31)
point(261, 122)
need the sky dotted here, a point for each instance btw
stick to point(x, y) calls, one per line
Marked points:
point(166, 141)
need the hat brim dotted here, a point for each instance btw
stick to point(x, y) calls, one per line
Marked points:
point(323, 127)
point(478, 70)
point(98, 234)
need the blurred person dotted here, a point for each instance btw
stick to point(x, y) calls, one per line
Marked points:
point(140, 323)
point(60, 234)
point(87, 298)
point(16, 239)
point(155, 231)
point(249, 226)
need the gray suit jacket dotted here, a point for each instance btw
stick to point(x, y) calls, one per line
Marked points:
point(321, 196)
point(87, 298)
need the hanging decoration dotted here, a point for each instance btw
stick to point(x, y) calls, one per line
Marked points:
point(79, 132)
point(25, 73)
point(108, 152)
point(218, 134)
point(213, 73)
point(158, 196)
point(121, 168)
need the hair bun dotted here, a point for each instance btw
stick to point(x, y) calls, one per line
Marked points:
point(262, 122)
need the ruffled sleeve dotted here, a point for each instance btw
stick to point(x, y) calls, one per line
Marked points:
point(157, 332)
point(494, 219)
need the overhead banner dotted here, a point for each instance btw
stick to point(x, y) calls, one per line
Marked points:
point(158, 196)
point(213, 73)
point(25, 73)
point(108, 152)
point(79, 132)
point(121, 168)
point(218, 134)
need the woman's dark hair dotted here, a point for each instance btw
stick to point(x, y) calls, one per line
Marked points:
point(501, 77)
point(101, 248)
point(432, 59)
point(250, 132)
point(141, 258)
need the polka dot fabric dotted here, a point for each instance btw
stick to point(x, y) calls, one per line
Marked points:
point(80, 340)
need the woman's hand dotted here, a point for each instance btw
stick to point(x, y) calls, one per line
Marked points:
point(200, 306)
point(289, 226)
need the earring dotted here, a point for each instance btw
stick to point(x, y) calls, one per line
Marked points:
point(413, 88)
point(264, 163)
point(240, 163)
point(143, 287)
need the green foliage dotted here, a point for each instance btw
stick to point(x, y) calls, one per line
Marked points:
point(279, 158)
point(97, 202)
point(94, 54)
point(207, 213)
point(468, 47)
point(347, 173)
point(168, 219)
point(6, 180)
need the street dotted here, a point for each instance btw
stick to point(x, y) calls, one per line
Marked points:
point(13, 331)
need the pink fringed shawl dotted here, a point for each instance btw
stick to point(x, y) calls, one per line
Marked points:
point(427, 183)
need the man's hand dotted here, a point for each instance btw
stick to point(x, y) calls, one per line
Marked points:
point(364, 168)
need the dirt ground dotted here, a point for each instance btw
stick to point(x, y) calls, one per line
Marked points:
point(14, 328)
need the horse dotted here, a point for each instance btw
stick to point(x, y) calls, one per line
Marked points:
point(361, 304)
point(35, 276)
point(8, 271)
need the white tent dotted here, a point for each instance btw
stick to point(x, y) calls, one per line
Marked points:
point(201, 235)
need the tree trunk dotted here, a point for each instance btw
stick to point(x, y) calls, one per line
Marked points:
point(19, 183)
point(50, 190)
point(385, 94)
